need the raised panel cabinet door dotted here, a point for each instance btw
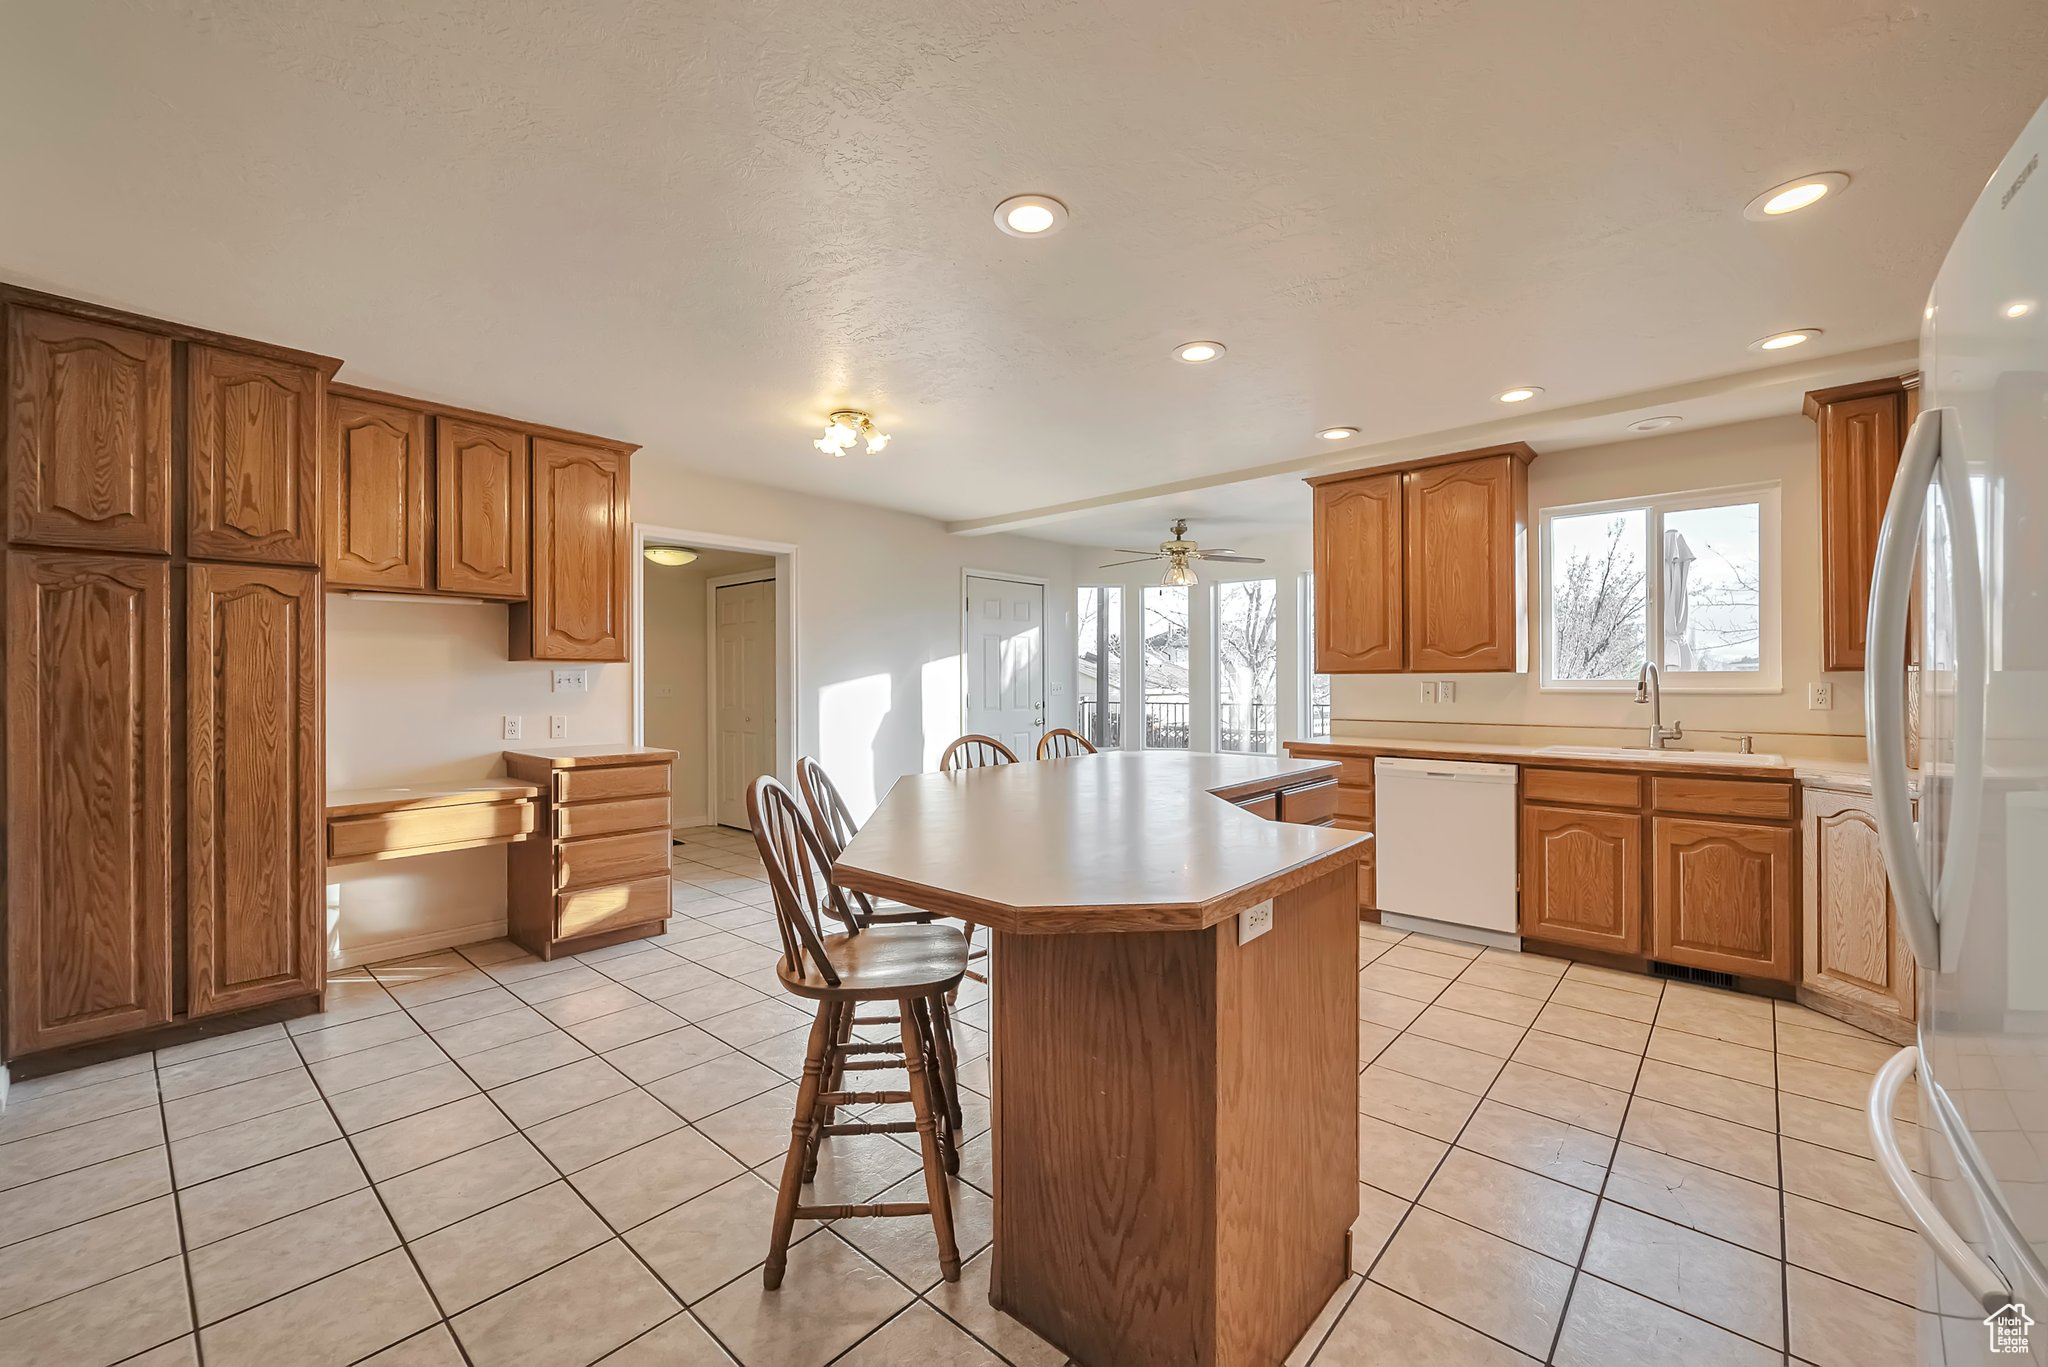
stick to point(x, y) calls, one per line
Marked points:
point(88, 434)
point(253, 457)
point(88, 798)
point(582, 548)
point(1722, 896)
point(1582, 878)
point(1464, 565)
point(1358, 575)
point(254, 795)
point(1860, 440)
point(480, 522)
point(1850, 937)
point(376, 495)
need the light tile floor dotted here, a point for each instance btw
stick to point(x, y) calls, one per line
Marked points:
point(477, 1156)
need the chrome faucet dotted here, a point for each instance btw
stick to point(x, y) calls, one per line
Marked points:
point(1649, 689)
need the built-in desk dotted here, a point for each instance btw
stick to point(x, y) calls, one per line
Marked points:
point(365, 824)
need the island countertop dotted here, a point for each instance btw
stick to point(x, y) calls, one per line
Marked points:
point(1116, 841)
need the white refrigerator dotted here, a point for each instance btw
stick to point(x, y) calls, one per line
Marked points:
point(1966, 532)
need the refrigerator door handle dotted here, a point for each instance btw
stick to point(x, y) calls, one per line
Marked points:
point(1884, 684)
point(1978, 1276)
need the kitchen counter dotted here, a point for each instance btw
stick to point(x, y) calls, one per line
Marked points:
point(1848, 775)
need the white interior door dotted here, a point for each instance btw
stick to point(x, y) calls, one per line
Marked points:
point(743, 703)
point(1005, 661)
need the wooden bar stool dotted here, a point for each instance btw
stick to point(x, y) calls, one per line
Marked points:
point(975, 752)
point(909, 965)
point(835, 827)
point(1060, 743)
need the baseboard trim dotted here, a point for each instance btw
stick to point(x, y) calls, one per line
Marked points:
point(408, 946)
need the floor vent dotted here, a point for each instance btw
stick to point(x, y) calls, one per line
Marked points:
point(1679, 973)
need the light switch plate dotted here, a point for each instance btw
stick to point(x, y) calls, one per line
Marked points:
point(1429, 690)
point(515, 728)
point(572, 681)
point(1253, 922)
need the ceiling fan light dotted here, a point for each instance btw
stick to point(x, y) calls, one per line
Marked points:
point(1179, 573)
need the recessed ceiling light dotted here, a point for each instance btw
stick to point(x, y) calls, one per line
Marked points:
point(1030, 215)
point(1794, 195)
point(1337, 433)
point(2019, 308)
point(1656, 424)
point(1778, 341)
point(1519, 394)
point(1194, 353)
point(670, 555)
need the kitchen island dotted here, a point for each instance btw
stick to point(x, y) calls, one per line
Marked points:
point(1175, 1136)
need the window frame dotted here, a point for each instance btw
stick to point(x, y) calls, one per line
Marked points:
point(1103, 678)
point(1305, 643)
point(1767, 678)
point(1195, 602)
point(1215, 595)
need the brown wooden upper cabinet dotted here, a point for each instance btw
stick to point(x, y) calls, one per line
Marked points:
point(1423, 567)
point(582, 547)
point(481, 483)
point(253, 457)
point(1862, 428)
point(88, 433)
point(377, 459)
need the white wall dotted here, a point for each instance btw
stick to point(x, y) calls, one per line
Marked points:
point(415, 691)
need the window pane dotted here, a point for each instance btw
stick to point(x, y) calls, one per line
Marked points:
point(1712, 589)
point(1166, 668)
point(1599, 601)
point(1318, 684)
point(1099, 639)
point(1247, 664)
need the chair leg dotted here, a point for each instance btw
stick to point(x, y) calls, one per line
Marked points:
point(834, 1077)
point(801, 1134)
point(928, 1143)
point(949, 1061)
point(938, 1085)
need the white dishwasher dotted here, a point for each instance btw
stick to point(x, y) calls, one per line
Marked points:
point(1444, 843)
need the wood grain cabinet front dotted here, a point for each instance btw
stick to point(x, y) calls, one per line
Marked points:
point(376, 495)
point(88, 796)
point(1465, 568)
point(252, 457)
point(1852, 951)
point(1722, 896)
point(1862, 431)
point(598, 871)
point(582, 549)
point(480, 509)
point(1358, 565)
point(1582, 877)
point(255, 797)
point(88, 433)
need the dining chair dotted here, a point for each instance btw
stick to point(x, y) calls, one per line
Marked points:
point(909, 965)
point(975, 751)
point(1060, 743)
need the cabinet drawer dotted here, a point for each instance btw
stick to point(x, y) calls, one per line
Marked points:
point(590, 910)
point(1355, 804)
point(1581, 788)
point(1352, 771)
point(384, 835)
point(625, 780)
point(611, 818)
point(1266, 805)
point(611, 858)
point(1732, 797)
point(1311, 805)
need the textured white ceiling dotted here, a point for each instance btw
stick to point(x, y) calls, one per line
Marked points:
point(701, 226)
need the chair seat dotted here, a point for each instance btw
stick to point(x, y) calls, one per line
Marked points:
point(884, 963)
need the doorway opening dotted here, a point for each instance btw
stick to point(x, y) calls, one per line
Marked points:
point(715, 666)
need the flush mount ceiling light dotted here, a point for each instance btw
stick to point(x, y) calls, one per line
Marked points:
point(1656, 424)
point(1778, 341)
point(1195, 353)
point(847, 426)
point(1031, 215)
point(1519, 394)
point(670, 555)
point(1794, 195)
point(2018, 308)
point(1337, 433)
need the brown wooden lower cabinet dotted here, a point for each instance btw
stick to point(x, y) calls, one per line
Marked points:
point(597, 870)
point(1852, 954)
point(1582, 877)
point(1722, 895)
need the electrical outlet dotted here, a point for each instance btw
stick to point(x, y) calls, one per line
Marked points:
point(1429, 690)
point(1820, 697)
point(571, 681)
point(666, 690)
point(1446, 690)
point(558, 727)
point(1253, 922)
point(515, 728)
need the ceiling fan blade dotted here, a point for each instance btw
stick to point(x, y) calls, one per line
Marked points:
point(1133, 550)
point(1139, 561)
point(1234, 559)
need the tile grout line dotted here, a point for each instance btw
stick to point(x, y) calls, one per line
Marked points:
point(178, 1210)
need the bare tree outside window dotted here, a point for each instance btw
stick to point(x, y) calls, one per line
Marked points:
point(1165, 627)
point(1599, 595)
point(1099, 637)
point(1247, 664)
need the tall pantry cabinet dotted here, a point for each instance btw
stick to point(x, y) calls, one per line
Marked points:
point(162, 739)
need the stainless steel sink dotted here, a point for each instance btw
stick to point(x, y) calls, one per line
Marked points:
point(1638, 754)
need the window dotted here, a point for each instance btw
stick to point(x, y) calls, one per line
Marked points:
point(1165, 631)
point(1100, 640)
point(1318, 712)
point(1687, 580)
point(1247, 665)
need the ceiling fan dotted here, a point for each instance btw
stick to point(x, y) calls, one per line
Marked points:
point(1179, 553)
